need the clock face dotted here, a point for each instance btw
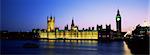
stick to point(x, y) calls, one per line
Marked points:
point(118, 19)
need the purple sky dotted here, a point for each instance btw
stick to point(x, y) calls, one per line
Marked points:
point(24, 15)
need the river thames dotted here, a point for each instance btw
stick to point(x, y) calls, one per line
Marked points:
point(65, 47)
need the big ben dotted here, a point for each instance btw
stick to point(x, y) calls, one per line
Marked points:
point(118, 21)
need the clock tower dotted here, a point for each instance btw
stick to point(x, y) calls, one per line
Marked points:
point(118, 21)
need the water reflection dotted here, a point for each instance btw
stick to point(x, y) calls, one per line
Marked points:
point(66, 47)
point(86, 47)
point(70, 44)
point(126, 49)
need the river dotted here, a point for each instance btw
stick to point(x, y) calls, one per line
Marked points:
point(65, 47)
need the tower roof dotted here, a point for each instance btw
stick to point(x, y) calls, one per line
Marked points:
point(118, 12)
point(51, 17)
point(72, 24)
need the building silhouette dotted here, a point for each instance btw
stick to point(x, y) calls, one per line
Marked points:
point(119, 33)
point(105, 34)
point(141, 32)
point(73, 27)
point(118, 21)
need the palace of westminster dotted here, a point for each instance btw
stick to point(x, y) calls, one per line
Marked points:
point(53, 32)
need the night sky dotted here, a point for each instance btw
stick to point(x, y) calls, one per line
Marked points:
point(24, 15)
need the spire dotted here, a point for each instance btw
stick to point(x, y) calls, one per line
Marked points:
point(51, 17)
point(118, 12)
point(72, 22)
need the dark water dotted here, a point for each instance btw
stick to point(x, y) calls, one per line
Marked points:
point(67, 47)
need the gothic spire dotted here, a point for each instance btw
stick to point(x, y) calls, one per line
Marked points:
point(118, 12)
point(72, 24)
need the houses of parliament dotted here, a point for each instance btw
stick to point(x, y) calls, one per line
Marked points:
point(53, 32)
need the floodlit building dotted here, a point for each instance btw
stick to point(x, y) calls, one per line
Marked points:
point(50, 24)
point(74, 33)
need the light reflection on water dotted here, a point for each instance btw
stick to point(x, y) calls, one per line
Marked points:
point(67, 47)
point(71, 44)
point(126, 49)
point(90, 45)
